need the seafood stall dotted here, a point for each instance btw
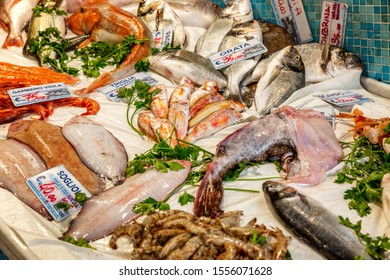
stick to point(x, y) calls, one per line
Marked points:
point(174, 129)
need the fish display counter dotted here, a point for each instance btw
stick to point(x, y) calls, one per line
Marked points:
point(304, 115)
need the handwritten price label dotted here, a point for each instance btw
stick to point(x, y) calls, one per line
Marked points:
point(54, 186)
point(333, 23)
point(344, 98)
point(291, 15)
point(37, 94)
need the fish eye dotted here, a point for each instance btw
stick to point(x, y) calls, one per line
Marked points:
point(297, 57)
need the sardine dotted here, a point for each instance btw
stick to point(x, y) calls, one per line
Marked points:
point(14, 16)
point(40, 23)
point(311, 222)
point(18, 162)
point(285, 74)
point(157, 15)
point(47, 140)
point(235, 73)
point(104, 213)
point(97, 147)
point(174, 64)
point(213, 123)
point(285, 130)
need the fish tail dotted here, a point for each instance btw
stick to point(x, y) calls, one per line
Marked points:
point(209, 195)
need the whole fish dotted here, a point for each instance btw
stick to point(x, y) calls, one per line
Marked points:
point(14, 16)
point(179, 115)
point(40, 22)
point(98, 148)
point(158, 15)
point(204, 100)
point(275, 37)
point(311, 222)
point(385, 184)
point(18, 162)
point(196, 13)
point(322, 62)
point(105, 22)
point(304, 133)
point(206, 88)
point(235, 73)
point(285, 74)
point(239, 10)
point(47, 140)
point(159, 103)
point(104, 213)
point(213, 123)
point(174, 64)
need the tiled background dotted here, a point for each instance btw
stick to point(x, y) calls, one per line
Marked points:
point(367, 34)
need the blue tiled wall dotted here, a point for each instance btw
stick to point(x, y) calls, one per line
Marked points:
point(367, 34)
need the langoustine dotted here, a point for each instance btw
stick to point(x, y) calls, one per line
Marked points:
point(117, 202)
point(47, 140)
point(18, 162)
point(105, 22)
point(284, 132)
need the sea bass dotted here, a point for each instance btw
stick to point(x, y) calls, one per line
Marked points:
point(47, 140)
point(98, 148)
point(311, 222)
point(117, 202)
point(158, 15)
point(40, 22)
point(174, 64)
point(285, 131)
point(285, 74)
point(14, 16)
point(18, 162)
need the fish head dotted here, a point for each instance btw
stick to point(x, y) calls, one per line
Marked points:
point(148, 6)
point(292, 59)
point(276, 191)
point(338, 61)
point(239, 10)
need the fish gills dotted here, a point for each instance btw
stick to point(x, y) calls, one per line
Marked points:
point(47, 140)
point(311, 222)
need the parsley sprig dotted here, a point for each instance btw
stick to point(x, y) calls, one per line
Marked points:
point(38, 10)
point(375, 247)
point(366, 163)
point(139, 96)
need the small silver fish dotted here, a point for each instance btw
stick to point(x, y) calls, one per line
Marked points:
point(311, 222)
point(239, 10)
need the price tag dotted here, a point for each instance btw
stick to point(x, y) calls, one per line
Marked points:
point(56, 187)
point(238, 53)
point(333, 23)
point(111, 90)
point(291, 15)
point(36, 94)
point(163, 37)
point(344, 98)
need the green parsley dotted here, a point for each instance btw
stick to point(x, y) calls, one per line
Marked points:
point(366, 163)
point(38, 10)
point(139, 96)
point(375, 247)
point(256, 239)
point(186, 198)
point(81, 242)
point(64, 206)
point(81, 198)
point(149, 205)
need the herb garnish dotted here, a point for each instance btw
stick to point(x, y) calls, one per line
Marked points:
point(63, 205)
point(186, 198)
point(375, 247)
point(82, 242)
point(139, 96)
point(149, 205)
point(81, 197)
point(38, 9)
point(366, 164)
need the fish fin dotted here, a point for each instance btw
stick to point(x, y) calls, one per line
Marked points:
point(324, 56)
point(304, 199)
point(274, 74)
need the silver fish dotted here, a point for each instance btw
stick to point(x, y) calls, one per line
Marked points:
point(18, 162)
point(285, 74)
point(235, 73)
point(157, 15)
point(98, 148)
point(311, 222)
point(104, 213)
point(14, 16)
point(239, 10)
point(284, 134)
point(40, 23)
point(174, 64)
